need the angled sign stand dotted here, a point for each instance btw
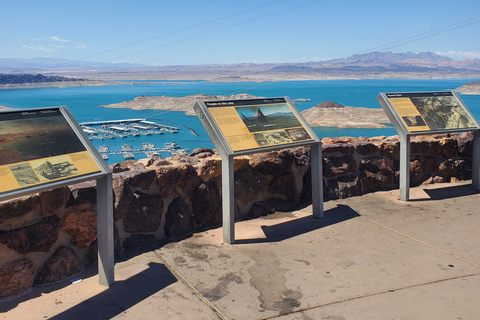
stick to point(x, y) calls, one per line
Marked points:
point(425, 113)
point(240, 127)
point(43, 149)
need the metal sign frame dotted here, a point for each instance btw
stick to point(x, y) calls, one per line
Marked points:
point(223, 131)
point(96, 170)
point(409, 121)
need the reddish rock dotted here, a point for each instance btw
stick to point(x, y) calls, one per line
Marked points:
point(272, 163)
point(390, 150)
point(122, 166)
point(445, 147)
point(465, 144)
point(414, 170)
point(16, 277)
point(82, 226)
point(207, 205)
point(204, 152)
point(446, 166)
point(338, 140)
point(144, 213)
point(343, 148)
point(178, 219)
point(62, 264)
point(54, 201)
point(19, 207)
point(37, 237)
point(211, 168)
point(177, 179)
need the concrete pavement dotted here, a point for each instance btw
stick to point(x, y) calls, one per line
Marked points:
point(372, 257)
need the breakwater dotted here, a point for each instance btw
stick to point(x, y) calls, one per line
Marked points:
point(163, 198)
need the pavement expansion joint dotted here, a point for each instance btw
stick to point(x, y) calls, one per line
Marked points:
point(422, 242)
point(368, 295)
point(191, 287)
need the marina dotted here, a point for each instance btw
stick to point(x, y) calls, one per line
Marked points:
point(131, 128)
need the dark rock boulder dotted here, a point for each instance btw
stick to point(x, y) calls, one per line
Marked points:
point(178, 219)
point(144, 213)
point(62, 264)
point(207, 205)
point(16, 277)
point(37, 237)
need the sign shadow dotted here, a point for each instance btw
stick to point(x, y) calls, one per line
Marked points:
point(296, 227)
point(122, 295)
point(448, 192)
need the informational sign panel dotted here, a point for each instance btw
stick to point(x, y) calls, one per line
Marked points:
point(428, 111)
point(239, 127)
point(40, 146)
point(416, 113)
point(257, 123)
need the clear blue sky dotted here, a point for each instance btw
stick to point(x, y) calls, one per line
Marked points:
point(188, 32)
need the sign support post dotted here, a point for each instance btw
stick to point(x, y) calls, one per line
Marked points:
point(404, 178)
point(317, 179)
point(228, 199)
point(476, 161)
point(105, 230)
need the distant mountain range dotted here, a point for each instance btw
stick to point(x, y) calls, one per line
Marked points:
point(368, 65)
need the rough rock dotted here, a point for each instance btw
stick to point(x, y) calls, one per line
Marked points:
point(144, 214)
point(82, 226)
point(272, 163)
point(207, 204)
point(178, 218)
point(62, 264)
point(18, 207)
point(16, 277)
point(37, 237)
point(175, 179)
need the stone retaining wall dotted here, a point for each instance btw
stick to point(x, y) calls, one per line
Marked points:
point(47, 237)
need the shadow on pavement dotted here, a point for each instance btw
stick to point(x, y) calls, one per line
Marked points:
point(122, 295)
point(293, 228)
point(449, 192)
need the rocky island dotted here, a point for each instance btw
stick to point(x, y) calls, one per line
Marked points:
point(332, 114)
point(173, 103)
point(325, 114)
point(472, 87)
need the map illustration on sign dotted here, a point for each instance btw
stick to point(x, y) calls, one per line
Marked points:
point(252, 124)
point(431, 111)
point(39, 146)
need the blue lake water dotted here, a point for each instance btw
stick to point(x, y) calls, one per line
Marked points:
point(84, 103)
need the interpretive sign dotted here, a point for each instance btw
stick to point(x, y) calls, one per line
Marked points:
point(419, 113)
point(257, 123)
point(239, 127)
point(39, 147)
point(426, 112)
point(42, 149)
